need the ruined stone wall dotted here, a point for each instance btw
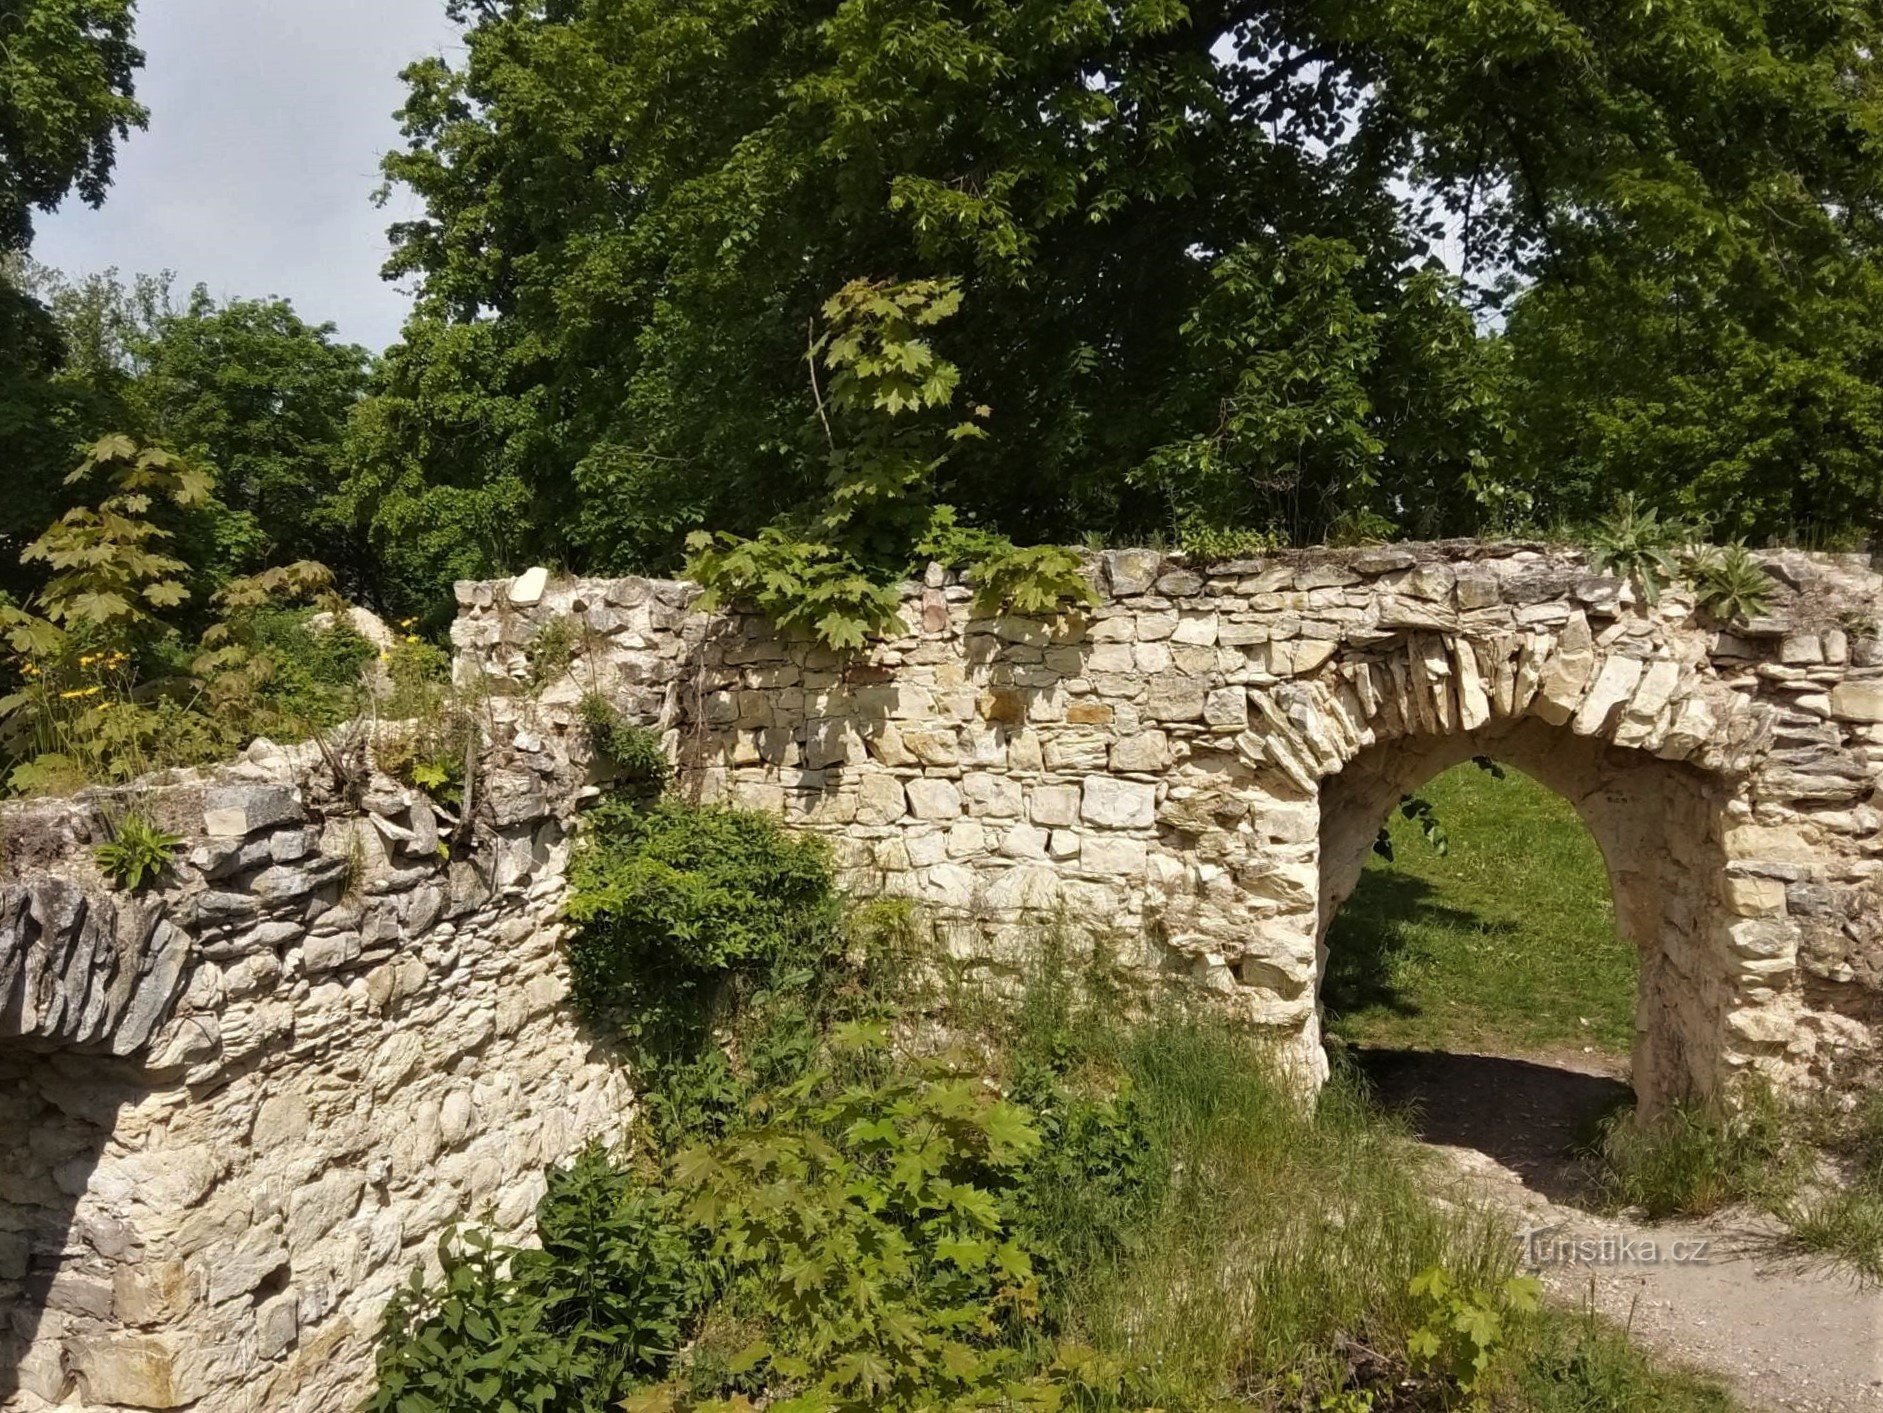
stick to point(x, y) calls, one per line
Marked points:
point(237, 1111)
point(1194, 765)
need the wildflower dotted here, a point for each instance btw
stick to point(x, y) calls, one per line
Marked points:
point(80, 692)
point(411, 637)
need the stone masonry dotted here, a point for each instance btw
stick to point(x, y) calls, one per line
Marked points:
point(1197, 766)
point(239, 1109)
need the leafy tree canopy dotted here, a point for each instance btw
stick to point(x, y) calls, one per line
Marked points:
point(66, 99)
point(1197, 251)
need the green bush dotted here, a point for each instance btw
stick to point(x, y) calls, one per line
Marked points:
point(700, 890)
point(635, 753)
point(609, 1298)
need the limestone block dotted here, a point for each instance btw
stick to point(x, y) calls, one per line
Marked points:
point(1149, 751)
point(1755, 897)
point(933, 799)
point(949, 886)
point(992, 796)
point(136, 1371)
point(1172, 698)
point(1055, 806)
point(1112, 857)
point(1130, 572)
point(1197, 629)
point(527, 589)
point(937, 748)
point(880, 799)
point(1025, 841)
point(1076, 752)
point(1614, 684)
point(966, 838)
point(237, 811)
point(1025, 887)
point(1118, 804)
point(1568, 672)
point(1226, 707)
point(1858, 701)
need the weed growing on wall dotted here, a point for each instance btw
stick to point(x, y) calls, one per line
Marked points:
point(138, 853)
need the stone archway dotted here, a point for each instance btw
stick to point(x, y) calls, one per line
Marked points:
point(1660, 827)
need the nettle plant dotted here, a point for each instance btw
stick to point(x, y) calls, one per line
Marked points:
point(886, 415)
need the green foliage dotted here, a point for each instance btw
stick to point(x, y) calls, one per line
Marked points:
point(66, 76)
point(262, 665)
point(1636, 543)
point(1463, 1332)
point(138, 853)
point(703, 888)
point(550, 651)
point(801, 586)
point(1198, 248)
point(1698, 1157)
point(609, 1297)
point(1730, 584)
point(865, 1221)
point(635, 752)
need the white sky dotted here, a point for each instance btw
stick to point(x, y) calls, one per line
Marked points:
point(267, 122)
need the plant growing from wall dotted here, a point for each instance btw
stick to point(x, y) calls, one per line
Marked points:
point(1729, 583)
point(138, 853)
point(634, 752)
point(1640, 546)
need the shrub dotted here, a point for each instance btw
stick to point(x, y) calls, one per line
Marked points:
point(1637, 545)
point(550, 651)
point(138, 853)
point(1730, 583)
point(704, 890)
point(866, 1221)
point(608, 1298)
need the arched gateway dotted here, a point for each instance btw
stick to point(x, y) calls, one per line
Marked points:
point(1198, 764)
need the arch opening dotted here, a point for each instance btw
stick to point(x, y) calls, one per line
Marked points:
point(1659, 827)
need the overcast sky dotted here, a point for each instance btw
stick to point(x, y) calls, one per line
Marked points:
point(267, 122)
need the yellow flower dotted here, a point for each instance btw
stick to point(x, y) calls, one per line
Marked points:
point(105, 706)
point(87, 660)
point(81, 692)
point(411, 637)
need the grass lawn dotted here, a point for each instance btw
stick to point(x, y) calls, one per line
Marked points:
point(1506, 944)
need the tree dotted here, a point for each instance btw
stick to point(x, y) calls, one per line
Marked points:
point(251, 389)
point(66, 99)
point(1196, 240)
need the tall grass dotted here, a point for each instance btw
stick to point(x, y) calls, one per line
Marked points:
point(1263, 1259)
point(1282, 1252)
point(1699, 1157)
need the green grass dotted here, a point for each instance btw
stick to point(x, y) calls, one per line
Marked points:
point(1505, 944)
point(1269, 1262)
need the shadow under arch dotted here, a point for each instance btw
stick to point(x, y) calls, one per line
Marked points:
point(1660, 828)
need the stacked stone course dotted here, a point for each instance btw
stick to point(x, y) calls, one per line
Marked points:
point(1198, 764)
point(240, 1109)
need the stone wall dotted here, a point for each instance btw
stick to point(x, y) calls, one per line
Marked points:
point(1197, 765)
point(238, 1111)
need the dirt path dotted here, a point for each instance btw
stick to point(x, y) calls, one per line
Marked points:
point(1722, 1296)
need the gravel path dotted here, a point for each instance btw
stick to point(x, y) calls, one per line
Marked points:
point(1722, 1296)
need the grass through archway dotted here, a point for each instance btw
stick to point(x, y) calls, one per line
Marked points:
point(1503, 944)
